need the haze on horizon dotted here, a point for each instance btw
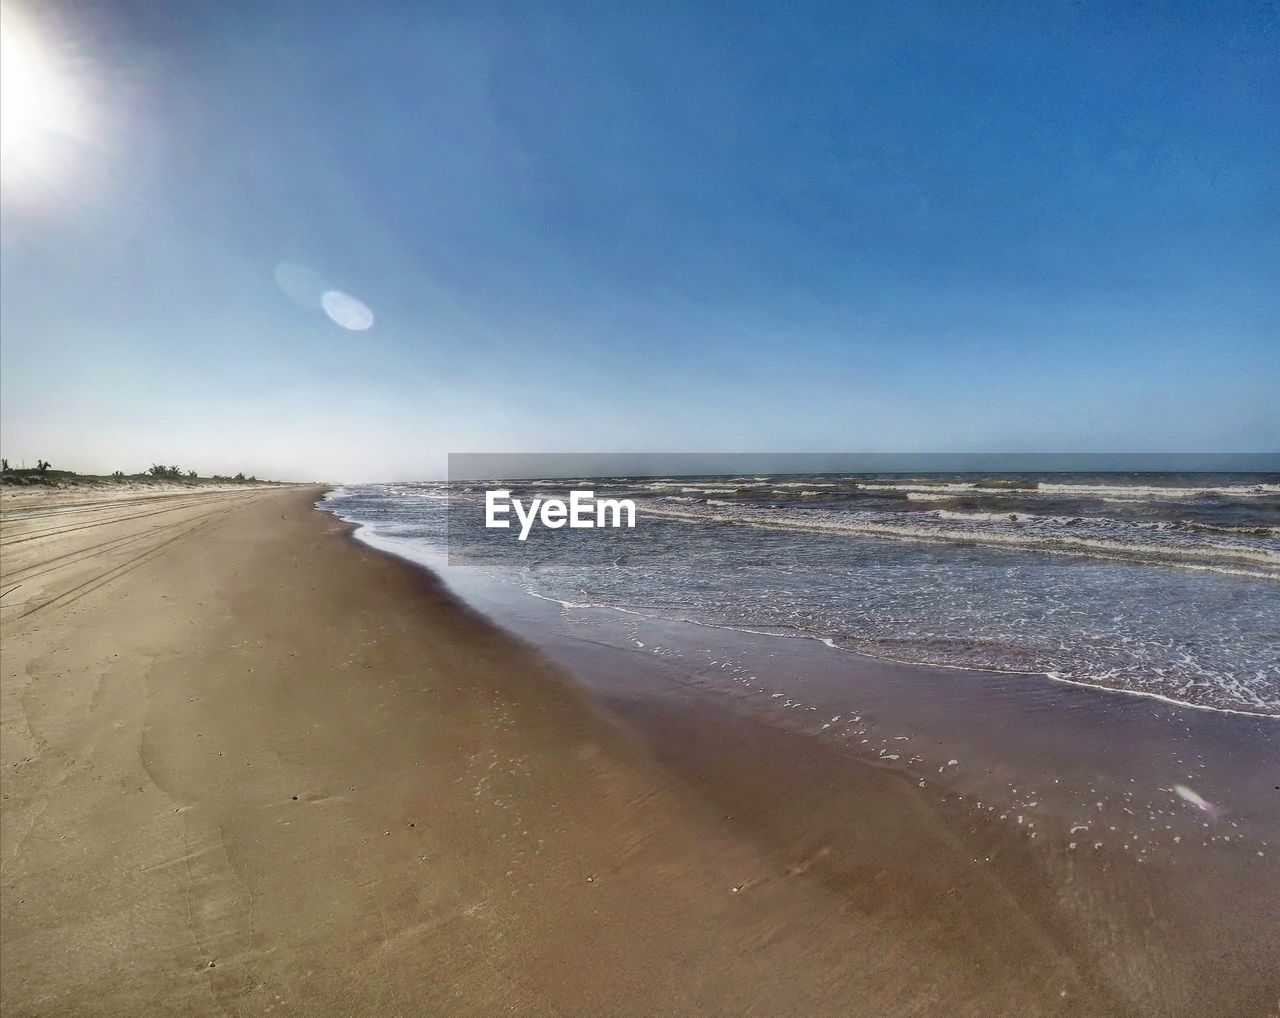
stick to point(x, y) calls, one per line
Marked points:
point(341, 240)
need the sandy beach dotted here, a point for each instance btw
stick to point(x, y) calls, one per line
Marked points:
point(612, 509)
point(251, 765)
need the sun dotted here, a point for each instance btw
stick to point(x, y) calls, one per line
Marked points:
point(40, 112)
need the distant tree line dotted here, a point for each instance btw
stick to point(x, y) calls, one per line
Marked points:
point(175, 472)
point(157, 471)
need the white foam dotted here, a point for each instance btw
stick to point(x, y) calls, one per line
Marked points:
point(1050, 536)
point(1155, 491)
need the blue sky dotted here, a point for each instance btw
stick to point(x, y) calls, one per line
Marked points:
point(801, 227)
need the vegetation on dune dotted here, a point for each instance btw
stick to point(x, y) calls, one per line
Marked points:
point(44, 474)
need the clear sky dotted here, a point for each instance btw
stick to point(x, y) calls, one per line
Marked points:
point(702, 226)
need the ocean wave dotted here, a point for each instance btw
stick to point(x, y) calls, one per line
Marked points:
point(920, 490)
point(931, 487)
point(1101, 522)
point(1148, 491)
point(1211, 528)
point(1045, 534)
point(977, 516)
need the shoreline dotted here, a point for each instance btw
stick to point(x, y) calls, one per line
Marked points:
point(829, 642)
point(364, 533)
point(262, 765)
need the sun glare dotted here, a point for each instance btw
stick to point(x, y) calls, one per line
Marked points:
point(40, 113)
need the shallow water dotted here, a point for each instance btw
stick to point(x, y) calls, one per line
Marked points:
point(1161, 585)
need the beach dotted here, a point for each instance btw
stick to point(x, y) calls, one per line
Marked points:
point(251, 764)
point(587, 510)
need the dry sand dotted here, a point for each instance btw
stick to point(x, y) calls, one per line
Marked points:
point(252, 766)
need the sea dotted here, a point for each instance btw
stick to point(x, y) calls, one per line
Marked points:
point(1162, 585)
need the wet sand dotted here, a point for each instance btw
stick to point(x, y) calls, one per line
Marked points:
point(252, 765)
point(1068, 794)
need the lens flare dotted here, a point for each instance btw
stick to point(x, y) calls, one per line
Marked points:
point(349, 312)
